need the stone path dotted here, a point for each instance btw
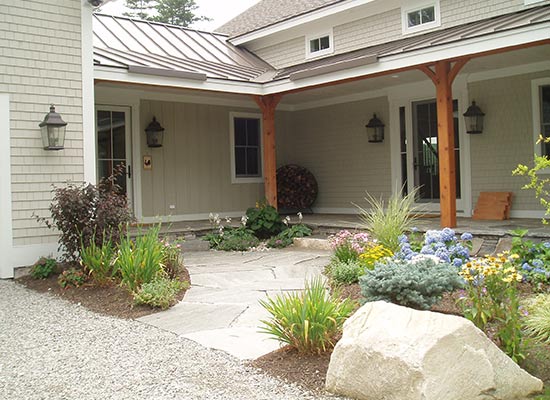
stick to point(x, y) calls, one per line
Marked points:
point(221, 309)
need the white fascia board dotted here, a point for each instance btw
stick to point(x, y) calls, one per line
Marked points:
point(477, 45)
point(213, 85)
point(299, 20)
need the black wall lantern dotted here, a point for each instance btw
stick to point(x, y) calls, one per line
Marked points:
point(375, 130)
point(474, 119)
point(53, 130)
point(155, 134)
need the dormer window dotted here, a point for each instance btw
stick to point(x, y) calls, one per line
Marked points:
point(319, 44)
point(421, 17)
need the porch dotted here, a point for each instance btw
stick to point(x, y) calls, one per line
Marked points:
point(325, 224)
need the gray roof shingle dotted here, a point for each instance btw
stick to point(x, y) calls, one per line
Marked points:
point(269, 12)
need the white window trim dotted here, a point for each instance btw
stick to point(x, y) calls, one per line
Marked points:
point(535, 105)
point(422, 27)
point(234, 177)
point(318, 35)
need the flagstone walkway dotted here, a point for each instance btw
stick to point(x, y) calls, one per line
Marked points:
point(221, 309)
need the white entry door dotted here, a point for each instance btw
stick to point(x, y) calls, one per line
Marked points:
point(114, 147)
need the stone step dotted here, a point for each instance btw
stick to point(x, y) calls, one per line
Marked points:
point(312, 243)
point(195, 245)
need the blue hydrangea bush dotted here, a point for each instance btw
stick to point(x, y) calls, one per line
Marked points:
point(534, 258)
point(442, 244)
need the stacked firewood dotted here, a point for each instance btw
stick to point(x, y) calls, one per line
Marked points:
point(296, 188)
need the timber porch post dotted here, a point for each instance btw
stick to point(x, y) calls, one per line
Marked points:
point(443, 78)
point(268, 104)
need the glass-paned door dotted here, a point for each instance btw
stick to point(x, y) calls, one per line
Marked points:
point(426, 152)
point(114, 146)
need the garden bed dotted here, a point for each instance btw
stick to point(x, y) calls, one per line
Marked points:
point(113, 299)
point(309, 371)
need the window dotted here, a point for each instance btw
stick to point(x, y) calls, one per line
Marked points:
point(246, 148)
point(319, 45)
point(544, 99)
point(421, 17)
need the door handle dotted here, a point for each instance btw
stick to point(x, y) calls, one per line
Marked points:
point(129, 172)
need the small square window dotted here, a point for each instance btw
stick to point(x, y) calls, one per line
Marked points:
point(422, 17)
point(318, 45)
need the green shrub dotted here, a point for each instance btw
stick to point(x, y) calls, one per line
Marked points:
point(537, 320)
point(308, 321)
point(347, 246)
point(286, 237)
point(140, 261)
point(79, 211)
point(238, 240)
point(345, 272)
point(99, 260)
point(160, 292)
point(264, 221)
point(72, 277)
point(388, 221)
point(232, 239)
point(419, 285)
point(43, 268)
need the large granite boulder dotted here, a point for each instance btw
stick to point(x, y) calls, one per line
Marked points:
point(389, 352)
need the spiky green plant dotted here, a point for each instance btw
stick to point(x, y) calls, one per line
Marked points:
point(388, 220)
point(308, 321)
point(98, 260)
point(537, 321)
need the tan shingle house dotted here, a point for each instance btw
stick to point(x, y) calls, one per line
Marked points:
point(286, 82)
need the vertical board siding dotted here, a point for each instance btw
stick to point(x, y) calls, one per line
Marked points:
point(371, 30)
point(332, 143)
point(192, 169)
point(507, 139)
point(40, 43)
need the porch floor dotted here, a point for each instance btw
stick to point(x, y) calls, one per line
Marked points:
point(328, 223)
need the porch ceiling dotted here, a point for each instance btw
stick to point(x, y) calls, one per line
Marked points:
point(539, 55)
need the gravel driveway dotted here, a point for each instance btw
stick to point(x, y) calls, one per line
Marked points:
point(51, 349)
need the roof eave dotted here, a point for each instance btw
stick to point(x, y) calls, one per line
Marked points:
point(296, 20)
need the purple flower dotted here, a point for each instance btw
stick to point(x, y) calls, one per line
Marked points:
point(466, 236)
point(457, 262)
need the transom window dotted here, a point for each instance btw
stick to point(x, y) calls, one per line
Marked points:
point(246, 148)
point(319, 45)
point(421, 17)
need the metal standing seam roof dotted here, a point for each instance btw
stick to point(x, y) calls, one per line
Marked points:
point(371, 54)
point(159, 49)
point(144, 46)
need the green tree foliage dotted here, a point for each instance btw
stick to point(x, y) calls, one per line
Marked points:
point(177, 12)
point(140, 8)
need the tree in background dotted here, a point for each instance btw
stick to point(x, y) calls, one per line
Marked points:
point(140, 8)
point(177, 12)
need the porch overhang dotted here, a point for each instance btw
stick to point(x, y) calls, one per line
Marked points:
point(532, 35)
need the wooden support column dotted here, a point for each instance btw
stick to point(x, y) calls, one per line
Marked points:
point(268, 104)
point(443, 78)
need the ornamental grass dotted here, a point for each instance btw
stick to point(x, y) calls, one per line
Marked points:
point(309, 321)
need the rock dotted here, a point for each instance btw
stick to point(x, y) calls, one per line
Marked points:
point(392, 352)
point(312, 243)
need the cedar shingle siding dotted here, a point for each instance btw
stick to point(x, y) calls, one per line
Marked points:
point(41, 64)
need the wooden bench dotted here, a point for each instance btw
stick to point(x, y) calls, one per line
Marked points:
point(493, 206)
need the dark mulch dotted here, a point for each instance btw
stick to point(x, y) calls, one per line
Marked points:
point(113, 300)
point(309, 370)
point(306, 370)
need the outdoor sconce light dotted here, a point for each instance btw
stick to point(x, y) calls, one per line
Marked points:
point(375, 130)
point(53, 130)
point(474, 119)
point(155, 134)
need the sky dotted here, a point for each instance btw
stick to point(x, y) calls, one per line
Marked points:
point(220, 11)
